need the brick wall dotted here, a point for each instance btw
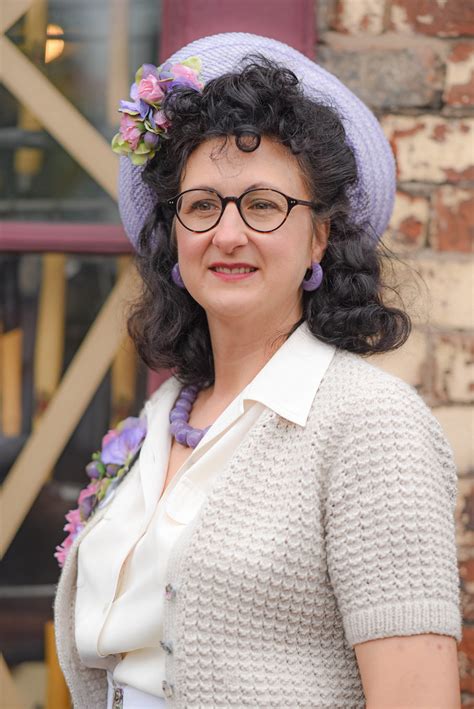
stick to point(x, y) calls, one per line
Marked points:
point(412, 61)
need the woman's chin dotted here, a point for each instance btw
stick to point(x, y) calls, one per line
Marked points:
point(231, 308)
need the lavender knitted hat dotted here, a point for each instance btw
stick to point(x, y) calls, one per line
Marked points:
point(371, 198)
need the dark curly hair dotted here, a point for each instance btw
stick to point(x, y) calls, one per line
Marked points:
point(168, 326)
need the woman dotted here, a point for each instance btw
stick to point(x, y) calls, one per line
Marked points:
point(283, 530)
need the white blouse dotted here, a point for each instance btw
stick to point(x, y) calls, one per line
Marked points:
point(122, 561)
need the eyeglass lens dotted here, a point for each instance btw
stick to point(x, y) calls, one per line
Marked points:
point(262, 209)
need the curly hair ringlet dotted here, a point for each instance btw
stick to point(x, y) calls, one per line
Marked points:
point(169, 328)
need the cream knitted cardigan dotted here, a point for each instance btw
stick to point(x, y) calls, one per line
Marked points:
point(313, 539)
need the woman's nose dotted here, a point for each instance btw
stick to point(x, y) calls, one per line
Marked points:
point(231, 230)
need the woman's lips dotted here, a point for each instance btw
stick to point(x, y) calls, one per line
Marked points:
point(236, 272)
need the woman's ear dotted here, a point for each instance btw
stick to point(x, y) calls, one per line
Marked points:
point(320, 240)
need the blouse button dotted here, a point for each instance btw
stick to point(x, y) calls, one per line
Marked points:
point(167, 647)
point(170, 592)
point(167, 689)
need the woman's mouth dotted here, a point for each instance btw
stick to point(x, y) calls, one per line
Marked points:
point(233, 273)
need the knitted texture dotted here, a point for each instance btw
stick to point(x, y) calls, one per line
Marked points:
point(312, 539)
point(371, 198)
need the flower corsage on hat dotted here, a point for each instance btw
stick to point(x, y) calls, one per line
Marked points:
point(108, 467)
point(143, 125)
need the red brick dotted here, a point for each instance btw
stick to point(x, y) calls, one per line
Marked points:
point(457, 423)
point(464, 514)
point(466, 655)
point(452, 219)
point(467, 510)
point(466, 573)
point(453, 369)
point(408, 224)
point(407, 77)
point(441, 18)
point(431, 148)
point(459, 86)
point(363, 16)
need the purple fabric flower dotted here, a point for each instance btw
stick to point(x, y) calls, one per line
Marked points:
point(151, 138)
point(129, 107)
point(87, 499)
point(148, 69)
point(120, 448)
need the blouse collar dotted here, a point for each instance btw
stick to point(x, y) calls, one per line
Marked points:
point(288, 382)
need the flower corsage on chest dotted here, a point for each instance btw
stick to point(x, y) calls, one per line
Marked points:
point(108, 467)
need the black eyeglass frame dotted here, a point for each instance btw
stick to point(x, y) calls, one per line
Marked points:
point(291, 202)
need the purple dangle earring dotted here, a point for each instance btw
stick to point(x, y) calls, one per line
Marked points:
point(313, 281)
point(176, 276)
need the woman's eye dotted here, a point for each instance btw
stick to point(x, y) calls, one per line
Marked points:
point(203, 206)
point(263, 206)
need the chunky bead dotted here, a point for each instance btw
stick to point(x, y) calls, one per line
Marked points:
point(181, 436)
point(193, 437)
point(177, 415)
point(183, 405)
point(188, 396)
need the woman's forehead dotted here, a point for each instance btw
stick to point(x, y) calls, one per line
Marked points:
point(219, 163)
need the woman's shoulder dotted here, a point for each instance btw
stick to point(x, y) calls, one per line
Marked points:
point(355, 388)
point(374, 403)
point(359, 380)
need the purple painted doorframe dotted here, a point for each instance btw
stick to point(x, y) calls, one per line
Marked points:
point(290, 21)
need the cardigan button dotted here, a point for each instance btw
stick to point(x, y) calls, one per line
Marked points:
point(167, 689)
point(167, 647)
point(170, 592)
point(117, 699)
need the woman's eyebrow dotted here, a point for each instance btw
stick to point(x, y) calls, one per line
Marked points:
point(255, 185)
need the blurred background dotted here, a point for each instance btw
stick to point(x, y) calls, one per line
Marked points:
point(67, 371)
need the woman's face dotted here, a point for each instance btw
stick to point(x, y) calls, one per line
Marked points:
point(280, 258)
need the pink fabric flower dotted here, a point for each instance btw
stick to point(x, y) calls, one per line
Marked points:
point(91, 489)
point(63, 550)
point(149, 89)
point(180, 70)
point(109, 436)
point(160, 120)
point(74, 521)
point(129, 131)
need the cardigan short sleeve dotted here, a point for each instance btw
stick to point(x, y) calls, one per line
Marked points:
point(390, 528)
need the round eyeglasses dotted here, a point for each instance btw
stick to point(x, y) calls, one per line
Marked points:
point(262, 210)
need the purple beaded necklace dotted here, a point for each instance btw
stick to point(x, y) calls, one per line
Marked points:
point(179, 417)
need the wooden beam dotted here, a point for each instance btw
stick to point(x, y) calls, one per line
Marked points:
point(60, 118)
point(57, 694)
point(78, 385)
point(49, 339)
point(10, 695)
point(11, 11)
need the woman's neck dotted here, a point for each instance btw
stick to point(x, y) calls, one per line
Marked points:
point(240, 352)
